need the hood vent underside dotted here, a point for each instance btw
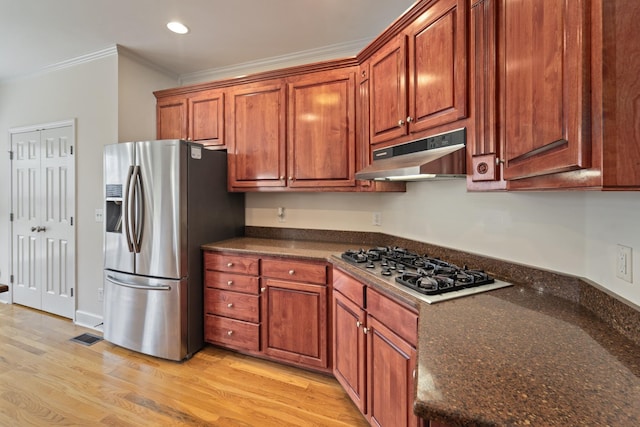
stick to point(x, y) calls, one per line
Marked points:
point(436, 157)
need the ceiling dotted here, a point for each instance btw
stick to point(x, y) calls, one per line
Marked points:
point(39, 34)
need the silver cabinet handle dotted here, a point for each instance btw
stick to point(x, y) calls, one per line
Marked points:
point(229, 333)
point(400, 123)
point(292, 272)
point(365, 330)
point(263, 289)
point(229, 264)
point(358, 324)
point(409, 119)
point(229, 282)
point(230, 305)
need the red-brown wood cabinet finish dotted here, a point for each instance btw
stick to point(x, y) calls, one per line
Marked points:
point(419, 78)
point(171, 118)
point(294, 306)
point(379, 336)
point(544, 86)
point(197, 117)
point(256, 135)
point(321, 130)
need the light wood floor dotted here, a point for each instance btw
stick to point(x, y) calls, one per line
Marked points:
point(46, 379)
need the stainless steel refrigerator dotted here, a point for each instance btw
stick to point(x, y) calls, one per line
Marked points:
point(163, 200)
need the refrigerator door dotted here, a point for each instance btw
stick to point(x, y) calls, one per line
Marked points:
point(160, 209)
point(118, 166)
point(144, 314)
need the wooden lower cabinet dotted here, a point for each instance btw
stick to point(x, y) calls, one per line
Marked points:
point(373, 362)
point(269, 307)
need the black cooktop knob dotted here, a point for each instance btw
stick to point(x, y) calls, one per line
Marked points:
point(385, 272)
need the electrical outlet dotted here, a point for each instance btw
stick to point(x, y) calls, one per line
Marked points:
point(377, 219)
point(100, 294)
point(281, 214)
point(624, 262)
point(98, 215)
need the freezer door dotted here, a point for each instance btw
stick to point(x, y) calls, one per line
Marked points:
point(161, 232)
point(146, 315)
point(118, 165)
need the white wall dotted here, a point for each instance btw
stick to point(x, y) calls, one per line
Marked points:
point(570, 232)
point(88, 93)
point(111, 99)
point(136, 103)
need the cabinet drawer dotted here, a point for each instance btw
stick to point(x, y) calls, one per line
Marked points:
point(295, 270)
point(232, 282)
point(349, 287)
point(399, 319)
point(231, 263)
point(232, 304)
point(232, 333)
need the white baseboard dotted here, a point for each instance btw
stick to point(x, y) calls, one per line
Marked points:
point(88, 320)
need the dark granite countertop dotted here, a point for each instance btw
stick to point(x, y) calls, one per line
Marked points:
point(510, 357)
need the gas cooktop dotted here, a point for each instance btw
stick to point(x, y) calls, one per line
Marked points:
point(429, 279)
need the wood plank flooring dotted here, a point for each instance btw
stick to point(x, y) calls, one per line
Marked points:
point(46, 379)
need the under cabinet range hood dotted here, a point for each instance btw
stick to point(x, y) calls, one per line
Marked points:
point(437, 157)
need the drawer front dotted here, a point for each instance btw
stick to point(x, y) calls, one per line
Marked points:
point(232, 333)
point(231, 263)
point(300, 271)
point(232, 304)
point(232, 282)
point(349, 287)
point(396, 317)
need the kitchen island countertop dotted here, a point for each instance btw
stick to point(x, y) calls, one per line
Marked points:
point(509, 357)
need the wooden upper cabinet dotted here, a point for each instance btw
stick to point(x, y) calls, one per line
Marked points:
point(438, 82)
point(198, 117)
point(171, 118)
point(388, 91)
point(545, 86)
point(256, 135)
point(321, 130)
point(419, 79)
point(483, 147)
point(206, 118)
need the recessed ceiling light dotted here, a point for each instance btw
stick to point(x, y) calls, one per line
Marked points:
point(178, 27)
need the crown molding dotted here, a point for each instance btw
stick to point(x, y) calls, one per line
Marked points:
point(128, 53)
point(340, 50)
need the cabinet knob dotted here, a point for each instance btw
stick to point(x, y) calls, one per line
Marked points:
point(358, 324)
point(229, 264)
point(414, 374)
point(400, 123)
point(365, 330)
point(229, 333)
point(282, 178)
point(498, 161)
point(292, 272)
point(230, 282)
point(230, 305)
point(263, 289)
point(290, 178)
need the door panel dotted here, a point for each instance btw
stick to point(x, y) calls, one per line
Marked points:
point(43, 198)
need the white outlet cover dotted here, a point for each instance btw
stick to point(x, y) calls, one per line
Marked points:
point(624, 263)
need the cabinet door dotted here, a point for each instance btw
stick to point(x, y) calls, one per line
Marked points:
point(438, 92)
point(391, 363)
point(256, 135)
point(207, 118)
point(349, 348)
point(171, 118)
point(321, 130)
point(294, 322)
point(388, 91)
point(545, 88)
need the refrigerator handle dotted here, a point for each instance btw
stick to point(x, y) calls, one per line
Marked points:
point(140, 199)
point(127, 209)
point(134, 286)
